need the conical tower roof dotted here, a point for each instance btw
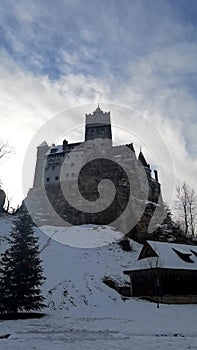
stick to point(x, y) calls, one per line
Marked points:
point(43, 144)
point(142, 159)
point(98, 110)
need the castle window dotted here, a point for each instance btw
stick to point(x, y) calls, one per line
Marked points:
point(57, 178)
point(53, 167)
point(67, 174)
point(73, 174)
point(72, 164)
point(92, 132)
point(47, 179)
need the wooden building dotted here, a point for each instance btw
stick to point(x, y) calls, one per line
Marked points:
point(164, 269)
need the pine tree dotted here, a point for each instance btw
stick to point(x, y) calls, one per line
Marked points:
point(20, 270)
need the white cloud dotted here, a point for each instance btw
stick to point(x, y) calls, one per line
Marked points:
point(137, 55)
point(27, 102)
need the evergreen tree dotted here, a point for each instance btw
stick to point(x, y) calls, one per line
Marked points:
point(20, 270)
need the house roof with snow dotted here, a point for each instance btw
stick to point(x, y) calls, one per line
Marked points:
point(165, 256)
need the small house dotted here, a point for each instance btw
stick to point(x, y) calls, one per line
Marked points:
point(164, 269)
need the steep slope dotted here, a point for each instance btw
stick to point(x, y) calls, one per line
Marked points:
point(75, 275)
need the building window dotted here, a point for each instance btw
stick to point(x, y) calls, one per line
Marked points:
point(67, 174)
point(73, 174)
point(72, 164)
point(53, 167)
point(57, 178)
point(47, 179)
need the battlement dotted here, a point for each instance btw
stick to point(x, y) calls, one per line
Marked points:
point(98, 117)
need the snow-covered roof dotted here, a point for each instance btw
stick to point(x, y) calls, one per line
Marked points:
point(55, 150)
point(168, 256)
point(59, 148)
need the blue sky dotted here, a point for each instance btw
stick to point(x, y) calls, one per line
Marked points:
point(105, 36)
point(143, 54)
point(98, 32)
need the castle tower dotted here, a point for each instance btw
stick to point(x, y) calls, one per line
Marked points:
point(41, 154)
point(98, 125)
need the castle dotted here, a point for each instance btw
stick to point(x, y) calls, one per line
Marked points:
point(98, 125)
point(87, 163)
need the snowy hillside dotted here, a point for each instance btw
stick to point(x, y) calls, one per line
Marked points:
point(85, 314)
point(74, 275)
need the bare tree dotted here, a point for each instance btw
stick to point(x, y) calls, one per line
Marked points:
point(155, 263)
point(192, 208)
point(4, 148)
point(7, 205)
point(186, 206)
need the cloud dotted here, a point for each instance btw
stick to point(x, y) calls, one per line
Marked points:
point(28, 102)
point(139, 54)
point(113, 33)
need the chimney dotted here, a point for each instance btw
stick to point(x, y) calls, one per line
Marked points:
point(65, 142)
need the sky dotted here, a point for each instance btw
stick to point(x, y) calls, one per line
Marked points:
point(137, 54)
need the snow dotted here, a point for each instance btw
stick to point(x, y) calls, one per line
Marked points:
point(83, 313)
point(167, 257)
point(84, 236)
point(55, 150)
point(141, 327)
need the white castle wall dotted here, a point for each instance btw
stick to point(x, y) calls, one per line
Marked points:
point(39, 169)
point(60, 168)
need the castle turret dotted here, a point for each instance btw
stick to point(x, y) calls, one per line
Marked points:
point(38, 176)
point(144, 163)
point(98, 125)
point(64, 145)
point(156, 175)
point(142, 160)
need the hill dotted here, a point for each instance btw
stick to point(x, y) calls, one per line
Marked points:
point(74, 274)
point(84, 313)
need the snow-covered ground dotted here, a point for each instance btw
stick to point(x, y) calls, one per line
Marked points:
point(134, 325)
point(83, 313)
